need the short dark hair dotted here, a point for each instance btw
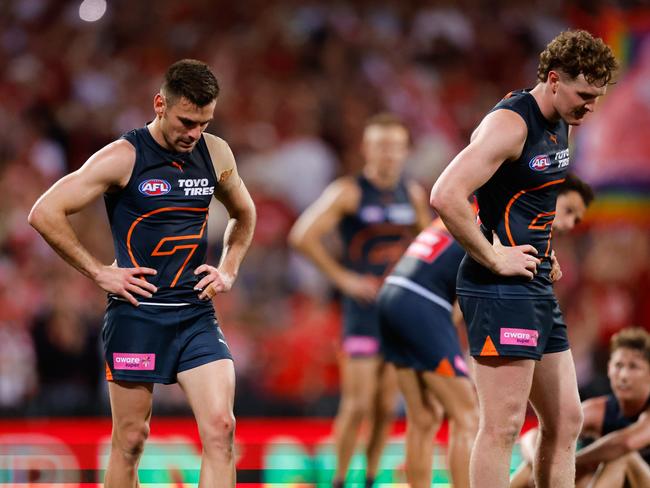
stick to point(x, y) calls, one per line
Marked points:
point(632, 338)
point(190, 79)
point(573, 183)
point(577, 52)
point(385, 119)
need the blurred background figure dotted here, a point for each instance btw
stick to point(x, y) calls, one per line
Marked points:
point(299, 80)
point(376, 214)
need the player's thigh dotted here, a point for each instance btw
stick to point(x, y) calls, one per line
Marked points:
point(456, 394)
point(554, 392)
point(503, 386)
point(360, 377)
point(210, 390)
point(422, 407)
point(130, 403)
point(387, 389)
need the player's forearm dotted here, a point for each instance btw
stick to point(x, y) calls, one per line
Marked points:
point(605, 449)
point(313, 249)
point(58, 233)
point(236, 241)
point(457, 214)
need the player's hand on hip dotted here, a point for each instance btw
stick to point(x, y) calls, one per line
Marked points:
point(125, 282)
point(556, 270)
point(515, 260)
point(214, 281)
point(362, 288)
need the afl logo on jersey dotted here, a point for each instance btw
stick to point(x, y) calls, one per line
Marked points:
point(540, 163)
point(154, 187)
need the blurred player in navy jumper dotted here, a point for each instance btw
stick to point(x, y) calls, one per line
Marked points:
point(376, 213)
point(419, 337)
point(160, 326)
point(516, 160)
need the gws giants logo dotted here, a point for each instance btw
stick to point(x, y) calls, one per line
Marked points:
point(154, 187)
point(540, 163)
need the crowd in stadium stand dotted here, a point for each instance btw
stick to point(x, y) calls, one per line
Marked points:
point(298, 80)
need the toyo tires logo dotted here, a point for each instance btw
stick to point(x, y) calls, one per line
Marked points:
point(154, 187)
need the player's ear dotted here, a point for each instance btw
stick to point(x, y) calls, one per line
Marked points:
point(553, 80)
point(159, 104)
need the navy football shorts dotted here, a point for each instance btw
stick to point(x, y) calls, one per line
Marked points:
point(152, 343)
point(418, 333)
point(360, 328)
point(521, 328)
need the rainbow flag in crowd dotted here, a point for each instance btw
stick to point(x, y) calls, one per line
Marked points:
point(612, 150)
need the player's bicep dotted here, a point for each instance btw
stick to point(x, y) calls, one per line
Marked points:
point(234, 195)
point(322, 216)
point(108, 168)
point(231, 190)
point(499, 138)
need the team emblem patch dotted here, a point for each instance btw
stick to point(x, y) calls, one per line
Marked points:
point(154, 187)
point(540, 163)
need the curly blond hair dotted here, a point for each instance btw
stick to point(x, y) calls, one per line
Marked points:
point(576, 52)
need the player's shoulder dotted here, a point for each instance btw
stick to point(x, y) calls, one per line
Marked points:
point(506, 118)
point(216, 145)
point(501, 127)
point(344, 193)
point(220, 153)
point(415, 189)
point(595, 403)
point(345, 187)
point(120, 151)
point(593, 411)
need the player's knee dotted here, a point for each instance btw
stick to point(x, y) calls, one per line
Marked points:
point(563, 428)
point(424, 419)
point(218, 432)
point(386, 411)
point(465, 420)
point(505, 429)
point(356, 408)
point(130, 440)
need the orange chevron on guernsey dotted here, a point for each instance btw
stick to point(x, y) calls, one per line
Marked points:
point(192, 247)
point(488, 348)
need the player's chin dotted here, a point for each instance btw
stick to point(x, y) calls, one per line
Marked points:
point(184, 147)
point(575, 119)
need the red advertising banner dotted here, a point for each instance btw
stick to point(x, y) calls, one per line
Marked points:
point(74, 452)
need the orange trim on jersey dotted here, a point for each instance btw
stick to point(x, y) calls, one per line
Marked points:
point(488, 348)
point(533, 222)
point(158, 210)
point(543, 227)
point(193, 248)
point(109, 374)
point(514, 199)
point(445, 369)
point(403, 233)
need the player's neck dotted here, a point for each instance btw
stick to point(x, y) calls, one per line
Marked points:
point(544, 97)
point(156, 133)
point(383, 181)
point(630, 408)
